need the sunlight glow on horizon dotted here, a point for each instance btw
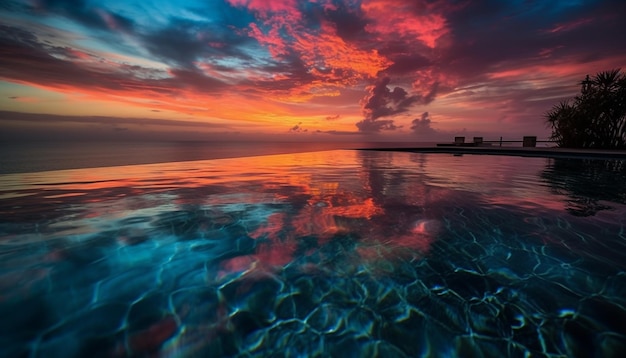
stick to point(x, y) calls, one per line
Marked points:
point(327, 67)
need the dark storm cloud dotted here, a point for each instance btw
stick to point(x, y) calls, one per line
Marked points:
point(497, 43)
point(383, 102)
point(491, 34)
point(350, 23)
point(421, 126)
point(196, 80)
point(291, 71)
point(178, 44)
point(182, 42)
point(24, 58)
point(369, 125)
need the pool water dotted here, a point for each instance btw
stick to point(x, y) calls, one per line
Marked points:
point(337, 253)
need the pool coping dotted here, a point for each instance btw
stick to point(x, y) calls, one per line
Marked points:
point(515, 151)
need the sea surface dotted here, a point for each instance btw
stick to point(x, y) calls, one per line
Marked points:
point(338, 253)
point(39, 156)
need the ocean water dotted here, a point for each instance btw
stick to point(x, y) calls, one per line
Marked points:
point(26, 157)
point(332, 253)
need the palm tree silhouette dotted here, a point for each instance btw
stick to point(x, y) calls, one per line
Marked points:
point(597, 116)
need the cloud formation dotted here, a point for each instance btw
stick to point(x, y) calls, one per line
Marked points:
point(422, 126)
point(474, 63)
point(8, 116)
point(298, 129)
point(383, 102)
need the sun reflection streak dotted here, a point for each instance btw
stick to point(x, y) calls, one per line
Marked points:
point(395, 210)
point(181, 255)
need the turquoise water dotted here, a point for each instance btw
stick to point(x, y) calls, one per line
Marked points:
point(337, 253)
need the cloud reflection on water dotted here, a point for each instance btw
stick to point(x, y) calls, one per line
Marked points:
point(222, 248)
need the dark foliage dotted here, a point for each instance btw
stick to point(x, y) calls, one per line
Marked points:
point(596, 118)
point(590, 185)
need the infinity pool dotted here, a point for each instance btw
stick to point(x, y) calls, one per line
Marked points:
point(338, 253)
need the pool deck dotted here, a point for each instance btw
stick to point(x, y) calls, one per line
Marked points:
point(517, 151)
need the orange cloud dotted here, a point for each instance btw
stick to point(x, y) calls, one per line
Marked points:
point(327, 49)
point(322, 51)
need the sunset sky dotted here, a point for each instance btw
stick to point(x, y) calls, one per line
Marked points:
point(297, 70)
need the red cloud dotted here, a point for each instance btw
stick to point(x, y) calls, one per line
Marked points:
point(267, 6)
point(393, 20)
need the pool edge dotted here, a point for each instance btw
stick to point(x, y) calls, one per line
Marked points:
point(526, 152)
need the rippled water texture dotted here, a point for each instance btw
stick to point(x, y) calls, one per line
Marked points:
point(339, 253)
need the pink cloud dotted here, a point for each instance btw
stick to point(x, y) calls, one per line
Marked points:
point(469, 62)
point(393, 20)
point(271, 39)
point(568, 26)
point(267, 6)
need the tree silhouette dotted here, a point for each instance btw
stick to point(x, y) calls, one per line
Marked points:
point(590, 185)
point(597, 116)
